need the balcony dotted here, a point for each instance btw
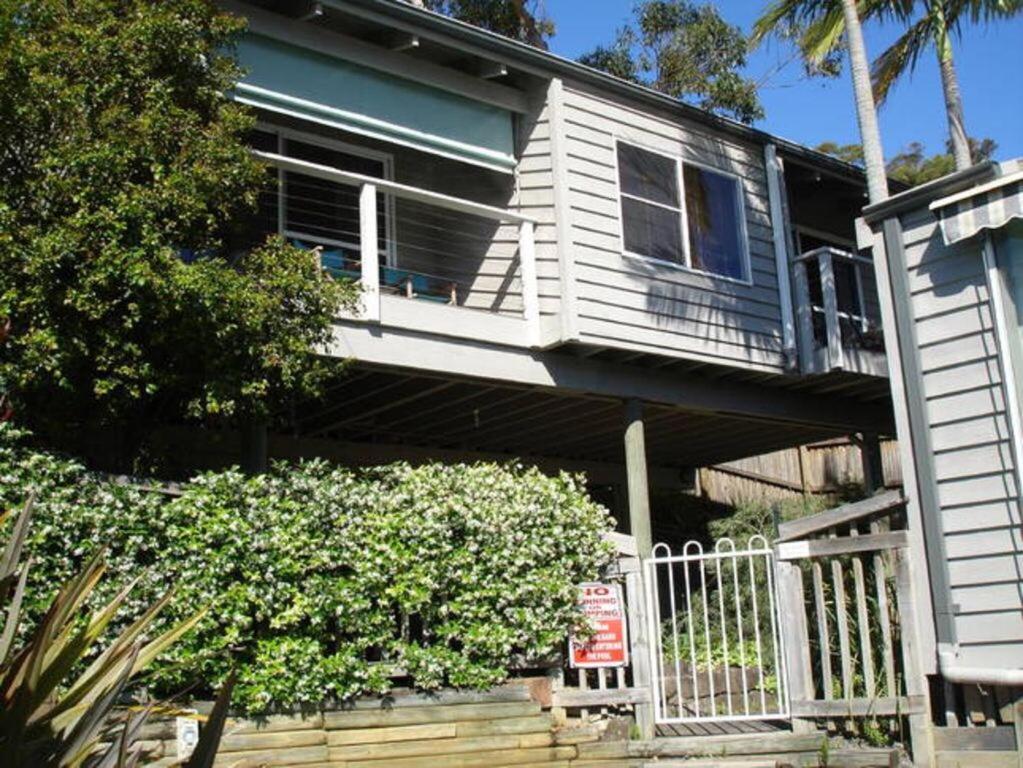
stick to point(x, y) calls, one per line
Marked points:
point(837, 316)
point(425, 261)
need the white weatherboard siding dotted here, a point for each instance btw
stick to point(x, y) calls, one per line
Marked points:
point(973, 457)
point(634, 303)
point(534, 196)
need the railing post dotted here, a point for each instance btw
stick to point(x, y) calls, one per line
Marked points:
point(916, 684)
point(836, 358)
point(530, 288)
point(795, 636)
point(804, 316)
point(369, 252)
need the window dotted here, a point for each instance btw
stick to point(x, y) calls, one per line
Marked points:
point(713, 208)
point(698, 226)
point(310, 211)
point(651, 210)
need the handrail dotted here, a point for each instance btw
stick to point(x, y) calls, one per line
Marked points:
point(393, 188)
point(837, 253)
point(853, 512)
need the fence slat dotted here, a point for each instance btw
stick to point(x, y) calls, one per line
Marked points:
point(842, 620)
point(863, 622)
point(887, 648)
point(822, 629)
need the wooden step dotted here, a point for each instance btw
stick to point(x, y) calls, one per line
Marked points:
point(439, 747)
point(707, 746)
point(422, 715)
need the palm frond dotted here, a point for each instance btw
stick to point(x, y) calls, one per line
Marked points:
point(900, 57)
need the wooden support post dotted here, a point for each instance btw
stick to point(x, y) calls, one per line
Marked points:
point(369, 253)
point(1017, 722)
point(640, 528)
point(871, 460)
point(254, 447)
point(792, 607)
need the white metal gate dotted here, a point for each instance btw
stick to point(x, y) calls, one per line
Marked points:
point(716, 652)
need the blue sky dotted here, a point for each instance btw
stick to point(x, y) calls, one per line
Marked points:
point(990, 63)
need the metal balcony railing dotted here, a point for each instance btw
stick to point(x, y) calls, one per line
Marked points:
point(406, 242)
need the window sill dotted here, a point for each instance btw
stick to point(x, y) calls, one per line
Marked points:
point(685, 268)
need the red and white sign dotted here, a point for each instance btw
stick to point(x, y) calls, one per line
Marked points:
point(608, 646)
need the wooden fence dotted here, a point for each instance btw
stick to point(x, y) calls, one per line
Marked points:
point(844, 587)
point(819, 469)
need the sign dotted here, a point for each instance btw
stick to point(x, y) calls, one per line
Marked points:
point(609, 644)
point(188, 735)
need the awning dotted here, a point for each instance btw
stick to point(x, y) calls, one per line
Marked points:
point(329, 90)
point(988, 206)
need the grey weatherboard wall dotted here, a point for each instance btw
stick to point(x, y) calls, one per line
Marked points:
point(962, 394)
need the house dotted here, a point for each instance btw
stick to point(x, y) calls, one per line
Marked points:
point(949, 256)
point(565, 268)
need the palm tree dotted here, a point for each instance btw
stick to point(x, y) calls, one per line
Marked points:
point(822, 25)
point(939, 22)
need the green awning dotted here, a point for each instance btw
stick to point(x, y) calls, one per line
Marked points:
point(332, 91)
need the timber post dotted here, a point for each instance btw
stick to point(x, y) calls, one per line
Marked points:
point(639, 527)
point(873, 466)
point(254, 436)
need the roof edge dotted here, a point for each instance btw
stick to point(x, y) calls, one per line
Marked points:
point(555, 65)
point(932, 190)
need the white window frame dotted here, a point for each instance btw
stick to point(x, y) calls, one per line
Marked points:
point(385, 158)
point(687, 260)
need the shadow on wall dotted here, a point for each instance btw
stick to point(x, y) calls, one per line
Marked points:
point(963, 387)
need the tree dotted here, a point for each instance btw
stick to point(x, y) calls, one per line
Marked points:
point(939, 21)
point(684, 50)
point(912, 166)
point(822, 26)
point(129, 295)
point(523, 20)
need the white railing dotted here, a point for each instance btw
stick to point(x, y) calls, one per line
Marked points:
point(716, 653)
point(377, 251)
point(835, 343)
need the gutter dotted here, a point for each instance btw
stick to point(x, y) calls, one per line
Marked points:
point(954, 673)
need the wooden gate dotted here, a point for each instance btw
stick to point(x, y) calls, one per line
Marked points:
point(845, 590)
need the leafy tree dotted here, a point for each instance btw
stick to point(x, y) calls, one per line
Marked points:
point(912, 166)
point(684, 50)
point(933, 24)
point(522, 20)
point(850, 153)
point(127, 296)
point(821, 27)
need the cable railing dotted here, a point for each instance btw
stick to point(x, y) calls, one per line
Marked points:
point(407, 242)
point(831, 309)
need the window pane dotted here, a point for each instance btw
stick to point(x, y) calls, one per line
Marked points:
point(712, 203)
point(652, 231)
point(325, 210)
point(647, 175)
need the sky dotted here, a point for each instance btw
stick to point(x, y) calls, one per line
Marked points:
point(989, 61)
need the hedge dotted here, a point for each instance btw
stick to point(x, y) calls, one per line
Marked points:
point(313, 572)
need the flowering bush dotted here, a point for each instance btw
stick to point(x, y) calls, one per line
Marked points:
point(315, 572)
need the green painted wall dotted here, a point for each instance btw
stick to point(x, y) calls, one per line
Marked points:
point(324, 88)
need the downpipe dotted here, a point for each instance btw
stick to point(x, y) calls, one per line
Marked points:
point(956, 673)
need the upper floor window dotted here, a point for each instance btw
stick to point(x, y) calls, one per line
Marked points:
point(681, 213)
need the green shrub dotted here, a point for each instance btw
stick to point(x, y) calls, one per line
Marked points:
point(314, 571)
